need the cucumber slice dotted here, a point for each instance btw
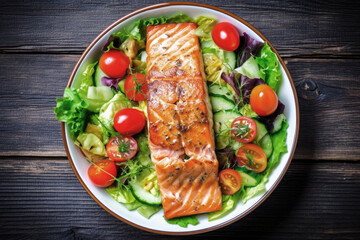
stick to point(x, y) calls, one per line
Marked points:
point(222, 90)
point(278, 123)
point(266, 145)
point(102, 93)
point(140, 193)
point(261, 131)
point(248, 177)
point(219, 103)
point(122, 86)
point(247, 180)
point(224, 119)
point(98, 75)
point(230, 58)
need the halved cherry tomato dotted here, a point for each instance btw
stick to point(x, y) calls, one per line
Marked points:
point(136, 89)
point(226, 36)
point(243, 129)
point(252, 157)
point(263, 100)
point(230, 181)
point(121, 149)
point(129, 121)
point(114, 63)
point(102, 173)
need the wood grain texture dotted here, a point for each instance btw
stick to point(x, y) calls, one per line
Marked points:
point(42, 199)
point(327, 89)
point(296, 28)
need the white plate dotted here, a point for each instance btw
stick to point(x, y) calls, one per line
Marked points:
point(157, 223)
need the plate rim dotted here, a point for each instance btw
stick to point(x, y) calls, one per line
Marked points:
point(269, 191)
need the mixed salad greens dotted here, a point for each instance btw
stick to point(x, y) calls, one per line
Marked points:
point(106, 115)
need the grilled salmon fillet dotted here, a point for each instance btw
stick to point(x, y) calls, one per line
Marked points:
point(180, 122)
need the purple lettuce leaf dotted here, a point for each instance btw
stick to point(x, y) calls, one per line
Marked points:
point(226, 158)
point(112, 42)
point(247, 86)
point(231, 80)
point(248, 47)
point(110, 82)
point(269, 120)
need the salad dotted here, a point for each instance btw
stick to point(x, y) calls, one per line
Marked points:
point(106, 115)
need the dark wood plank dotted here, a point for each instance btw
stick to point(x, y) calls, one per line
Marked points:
point(296, 28)
point(42, 199)
point(328, 93)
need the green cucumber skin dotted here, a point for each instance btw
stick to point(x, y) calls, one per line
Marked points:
point(220, 103)
point(98, 75)
point(140, 199)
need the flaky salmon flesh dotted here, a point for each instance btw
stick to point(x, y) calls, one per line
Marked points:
point(180, 122)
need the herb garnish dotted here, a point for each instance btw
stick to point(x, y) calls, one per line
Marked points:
point(124, 146)
point(241, 129)
point(138, 86)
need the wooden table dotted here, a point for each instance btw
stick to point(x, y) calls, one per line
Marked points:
point(40, 197)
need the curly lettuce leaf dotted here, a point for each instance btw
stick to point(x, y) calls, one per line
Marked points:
point(279, 147)
point(138, 30)
point(269, 67)
point(183, 221)
point(72, 110)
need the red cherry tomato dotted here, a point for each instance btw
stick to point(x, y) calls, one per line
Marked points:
point(121, 149)
point(136, 91)
point(102, 173)
point(252, 157)
point(263, 100)
point(129, 121)
point(226, 36)
point(230, 181)
point(243, 129)
point(114, 63)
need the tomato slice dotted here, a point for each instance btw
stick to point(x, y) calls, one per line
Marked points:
point(114, 63)
point(129, 121)
point(230, 181)
point(226, 36)
point(252, 157)
point(136, 89)
point(243, 129)
point(263, 100)
point(121, 149)
point(102, 173)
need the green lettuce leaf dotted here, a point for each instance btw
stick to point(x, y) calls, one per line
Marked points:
point(72, 110)
point(279, 147)
point(269, 67)
point(138, 30)
point(147, 211)
point(90, 142)
point(86, 79)
point(183, 221)
point(205, 26)
point(228, 204)
point(143, 154)
point(121, 194)
point(250, 68)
